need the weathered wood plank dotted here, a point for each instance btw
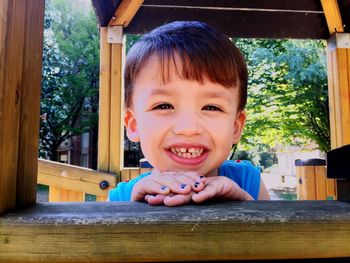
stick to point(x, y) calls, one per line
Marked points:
point(12, 25)
point(73, 178)
point(136, 232)
point(30, 104)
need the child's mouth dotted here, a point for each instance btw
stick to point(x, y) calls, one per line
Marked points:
point(191, 155)
point(187, 153)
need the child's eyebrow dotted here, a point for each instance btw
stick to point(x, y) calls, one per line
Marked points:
point(157, 92)
point(216, 95)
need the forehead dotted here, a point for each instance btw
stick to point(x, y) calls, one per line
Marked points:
point(156, 79)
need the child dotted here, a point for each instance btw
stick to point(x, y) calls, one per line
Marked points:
point(185, 94)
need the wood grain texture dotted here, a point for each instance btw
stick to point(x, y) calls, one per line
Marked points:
point(73, 178)
point(104, 102)
point(125, 12)
point(333, 16)
point(30, 104)
point(137, 232)
point(116, 139)
point(12, 30)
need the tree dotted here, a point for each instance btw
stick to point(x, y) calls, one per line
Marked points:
point(69, 100)
point(288, 93)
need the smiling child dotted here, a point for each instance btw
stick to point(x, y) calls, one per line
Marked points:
point(185, 94)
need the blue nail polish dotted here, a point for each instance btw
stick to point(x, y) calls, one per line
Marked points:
point(183, 186)
point(196, 184)
point(201, 177)
point(164, 188)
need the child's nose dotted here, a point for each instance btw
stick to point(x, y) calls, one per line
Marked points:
point(188, 124)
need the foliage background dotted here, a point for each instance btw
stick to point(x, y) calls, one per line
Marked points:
point(288, 93)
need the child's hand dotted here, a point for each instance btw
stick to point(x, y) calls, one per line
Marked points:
point(170, 188)
point(223, 188)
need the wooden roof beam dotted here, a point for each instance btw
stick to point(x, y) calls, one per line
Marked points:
point(333, 17)
point(125, 12)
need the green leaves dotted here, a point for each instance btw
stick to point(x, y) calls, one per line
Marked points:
point(288, 93)
point(70, 75)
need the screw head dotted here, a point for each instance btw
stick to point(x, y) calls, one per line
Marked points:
point(104, 185)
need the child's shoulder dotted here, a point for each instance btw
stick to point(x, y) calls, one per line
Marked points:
point(242, 164)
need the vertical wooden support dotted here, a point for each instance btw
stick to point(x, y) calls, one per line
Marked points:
point(20, 72)
point(111, 131)
point(30, 104)
point(338, 63)
point(338, 59)
point(104, 102)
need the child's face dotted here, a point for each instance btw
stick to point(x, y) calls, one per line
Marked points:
point(183, 125)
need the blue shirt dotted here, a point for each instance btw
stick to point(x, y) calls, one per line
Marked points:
point(246, 175)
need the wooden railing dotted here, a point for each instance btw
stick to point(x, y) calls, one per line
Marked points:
point(75, 180)
point(71, 183)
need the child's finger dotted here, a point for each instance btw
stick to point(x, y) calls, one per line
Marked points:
point(198, 186)
point(155, 199)
point(145, 187)
point(173, 183)
point(208, 192)
point(177, 200)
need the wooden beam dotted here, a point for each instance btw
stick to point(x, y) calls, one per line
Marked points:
point(333, 17)
point(30, 104)
point(73, 178)
point(111, 128)
point(125, 12)
point(12, 28)
point(338, 64)
point(137, 232)
point(104, 102)
point(338, 67)
point(116, 112)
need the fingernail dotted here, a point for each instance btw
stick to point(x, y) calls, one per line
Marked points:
point(164, 187)
point(201, 177)
point(196, 184)
point(183, 186)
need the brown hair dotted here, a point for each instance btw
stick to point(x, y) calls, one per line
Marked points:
point(205, 53)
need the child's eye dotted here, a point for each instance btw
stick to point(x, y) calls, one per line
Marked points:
point(163, 106)
point(211, 108)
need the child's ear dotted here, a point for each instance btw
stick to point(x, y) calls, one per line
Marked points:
point(238, 126)
point(131, 126)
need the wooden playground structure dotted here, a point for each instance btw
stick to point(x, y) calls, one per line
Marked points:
point(134, 232)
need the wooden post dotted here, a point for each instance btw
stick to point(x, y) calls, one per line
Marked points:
point(338, 59)
point(30, 104)
point(338, 79)
point(20, 72)
point(111, 128)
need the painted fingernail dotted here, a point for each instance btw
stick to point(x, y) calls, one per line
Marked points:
point(164, 187)
point(196, 184)
point(183, 186)
point(201, 177)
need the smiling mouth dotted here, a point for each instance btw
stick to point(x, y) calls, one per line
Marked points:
point(189, 153)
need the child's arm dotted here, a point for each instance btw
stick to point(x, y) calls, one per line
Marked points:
point(263, 193)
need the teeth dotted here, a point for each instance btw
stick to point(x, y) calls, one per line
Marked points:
point(187, 153)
